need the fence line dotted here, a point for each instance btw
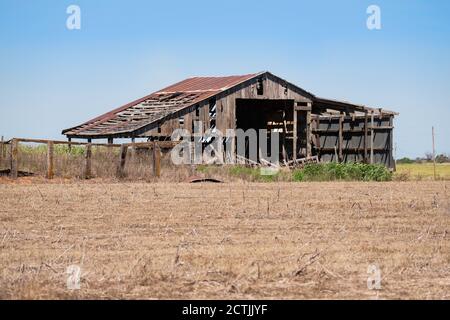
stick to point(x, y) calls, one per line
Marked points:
point(154, 146)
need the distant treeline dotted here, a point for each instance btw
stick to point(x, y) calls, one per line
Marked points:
point(441, 158)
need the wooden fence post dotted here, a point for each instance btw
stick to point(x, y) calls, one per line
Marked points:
point(14, 158)
point(50, 149)
point(123, 158)
point(156, 160)
point(88, 163)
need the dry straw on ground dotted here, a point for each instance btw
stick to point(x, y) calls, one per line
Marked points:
point(234, 240)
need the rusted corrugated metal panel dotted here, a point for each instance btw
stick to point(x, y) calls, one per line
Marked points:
point(142, 112)
point(208, 83)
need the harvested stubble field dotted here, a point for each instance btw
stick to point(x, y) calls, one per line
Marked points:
point(232, 240)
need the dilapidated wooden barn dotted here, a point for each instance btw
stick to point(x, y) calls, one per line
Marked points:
point(308, 125)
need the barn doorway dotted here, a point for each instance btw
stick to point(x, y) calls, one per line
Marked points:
point(274, 116)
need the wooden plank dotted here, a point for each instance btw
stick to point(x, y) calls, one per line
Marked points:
point(187, 123)
point(371, 138)
point(366, 120)
point(341, 138)
point(294, 141)
point(156, 160)
point(14, 158)
point(349, 150)
point(88, 162)
point(308, 132)
point(65, 142)
point(150, 144)
point(50, 158)
point(391, 143)
point(303, 108)
point(204, 115)
point(316, 121)
point(122, 161)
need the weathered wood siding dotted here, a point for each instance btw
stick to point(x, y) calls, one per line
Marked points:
point(272, 89)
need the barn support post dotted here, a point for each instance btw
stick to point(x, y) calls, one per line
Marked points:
point(317, 135)
point(88, 162)
point(372, 123)
point(366, 120)
point(294, 140)
point(122, 161)
point(156, 160)
point(70, 144)
point(391, 143)
point(308, 130)
point(341, 138)
point(50, 158)
point(14, 158)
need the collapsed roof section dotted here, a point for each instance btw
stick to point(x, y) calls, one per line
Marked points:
point(138, 116)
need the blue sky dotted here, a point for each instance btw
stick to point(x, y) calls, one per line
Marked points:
point(52, 78)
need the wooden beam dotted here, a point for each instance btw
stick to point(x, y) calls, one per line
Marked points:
point(88, 163)
point(366, 120)
point(122, 161)
point(294, 140)
point(391, 143)
point(317, 136)
point(65, 142)
point(50, 162)
point(156, 160)
point(308, 132)
point(14, 158)
point(371, 137)
point(341, 138)
point(303, 108)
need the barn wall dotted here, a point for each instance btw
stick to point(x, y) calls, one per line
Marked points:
point(326, 139)
point(273, 88)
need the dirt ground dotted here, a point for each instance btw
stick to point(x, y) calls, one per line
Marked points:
point(224, 241)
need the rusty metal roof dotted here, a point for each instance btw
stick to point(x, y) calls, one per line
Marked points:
point(140, 113)
point(208, 83)
point(138, 116)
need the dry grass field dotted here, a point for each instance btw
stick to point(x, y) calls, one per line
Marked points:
point(231, 240)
